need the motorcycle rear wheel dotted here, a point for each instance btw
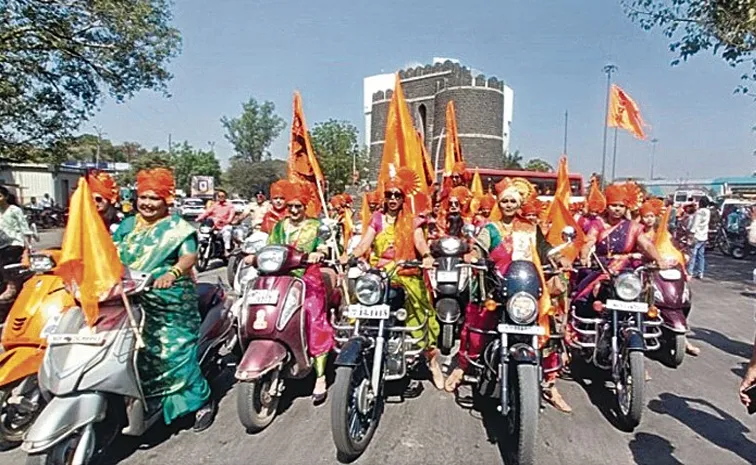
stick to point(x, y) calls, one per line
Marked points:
point(14, 424)
point(523, 416)
point(352, 430)
point(254, 405)
point(632, 378)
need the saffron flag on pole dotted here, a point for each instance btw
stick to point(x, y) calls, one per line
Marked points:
point(562, 191)
point(560, 217)
point(663, 241)
point(303, 165)
point(89, 262)
point(453, 149)
point(624, 113)
point(476, 188)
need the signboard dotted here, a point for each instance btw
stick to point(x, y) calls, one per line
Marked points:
point(203, 186)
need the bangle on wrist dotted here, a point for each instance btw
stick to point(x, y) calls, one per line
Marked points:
point(175, 271)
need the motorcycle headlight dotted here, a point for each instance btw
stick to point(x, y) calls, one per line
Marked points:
point(270, 259)
point(628, 286)
point(368, 289)
point(450, 245)
point(205, 229)
point(522, 308)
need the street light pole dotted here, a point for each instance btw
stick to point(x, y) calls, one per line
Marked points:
point(212, 146)
point(99, 143)
point(608, 69)
point(653, 154)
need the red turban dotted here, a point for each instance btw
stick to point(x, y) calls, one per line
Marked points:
point(104, 185)
point(299, 191)
point(615, 194)
point(158, 180)
point(279, 188)
point(463, 195)
point(373, 197)
point(654, 206)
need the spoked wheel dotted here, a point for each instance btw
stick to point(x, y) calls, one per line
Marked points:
point(355, 411)
point(630, 390)
point(15, 419)
point(522, 421)
point(255, 404)
point(76, 448)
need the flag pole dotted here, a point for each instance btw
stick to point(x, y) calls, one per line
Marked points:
point(608, 69)
point(564, 151)
point(438, 154)
point(614, 156)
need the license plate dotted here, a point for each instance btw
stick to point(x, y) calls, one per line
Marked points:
point(87, 339)
point(262, 297)
point(622, 306)
point(514, 329)
point(447, 276)
point(363, 312)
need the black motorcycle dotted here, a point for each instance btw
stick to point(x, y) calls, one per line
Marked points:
point(375, 347)
point(451, 288)
point(210, 245)
point(613, 331)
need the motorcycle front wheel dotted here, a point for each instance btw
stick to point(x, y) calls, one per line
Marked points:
point(677, 351)
point(522, 421)
point(355, 411)
point(630, 390)
point(738, 252)
point(255, 405)
point(233, 264)
point(203, 257)
point(15, 420)
point(76, 448)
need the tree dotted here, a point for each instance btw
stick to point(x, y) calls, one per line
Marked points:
point(536, 164)
point(188, 162)
point(155, 158)
point(59, 58)
point(252, 133)
point(335, 143)
point(725, 27)
point(245, 178)
point(512, 160)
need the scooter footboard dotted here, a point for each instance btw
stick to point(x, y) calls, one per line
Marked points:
point(61, 417)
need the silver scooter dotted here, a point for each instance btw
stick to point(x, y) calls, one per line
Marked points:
point(89, 375)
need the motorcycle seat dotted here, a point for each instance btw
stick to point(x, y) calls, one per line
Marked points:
point(209, 296)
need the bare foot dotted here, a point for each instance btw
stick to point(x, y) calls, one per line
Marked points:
point(454, 379)
point(437, 375)
point(553, 396)
point(690, 349)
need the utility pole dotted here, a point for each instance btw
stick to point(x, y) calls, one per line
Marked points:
point(653, 154)
point(614, 156)
point(564, 151)
point(170, 145)
point(608, 69)
point(212, 146)
point(99, 132)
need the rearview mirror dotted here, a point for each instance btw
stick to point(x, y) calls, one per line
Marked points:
point(468, 230)
point(324, 232)
point(569, 234)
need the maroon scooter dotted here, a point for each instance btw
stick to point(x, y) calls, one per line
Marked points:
point(672, 297)
point(272, 332)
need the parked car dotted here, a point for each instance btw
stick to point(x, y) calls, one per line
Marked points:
point(192, 208)
point(239, 205)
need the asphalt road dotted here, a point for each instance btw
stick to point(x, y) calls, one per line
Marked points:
point(693, 415)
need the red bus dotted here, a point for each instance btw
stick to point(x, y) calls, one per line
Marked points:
point(545, 183)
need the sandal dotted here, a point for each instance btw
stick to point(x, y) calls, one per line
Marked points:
point(318, 396)
point(692, 350)
point(553, 397)
point(454, 380)
point(205, 417)
point(437, 376)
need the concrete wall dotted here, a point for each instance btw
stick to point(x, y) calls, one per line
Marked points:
point(36, 180)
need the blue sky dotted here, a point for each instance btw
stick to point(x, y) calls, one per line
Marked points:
point(550, 52)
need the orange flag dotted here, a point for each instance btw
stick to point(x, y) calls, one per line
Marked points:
point(624, 113)
point(453, 149)
point(430, 176)
point(303, 165)
point(561, 217)
point(476, 188)
point(562, 191)
point(89, 262)
point(544, 303)
point(663, 241)
point(365, 213)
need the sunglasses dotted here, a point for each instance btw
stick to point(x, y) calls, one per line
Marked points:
point(98, 199)
point(393, 195)
point(453, 203)
point(456, 176)
point(295, 206)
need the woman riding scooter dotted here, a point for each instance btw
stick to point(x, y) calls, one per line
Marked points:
point(166, 247)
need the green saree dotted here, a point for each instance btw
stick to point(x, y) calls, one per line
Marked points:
point(169, 364)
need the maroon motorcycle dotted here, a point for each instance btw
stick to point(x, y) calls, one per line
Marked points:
point(272, 332)
point(673, 299)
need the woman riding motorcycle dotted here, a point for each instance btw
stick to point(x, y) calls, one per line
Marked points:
point(455, 212)
point(506, 240)
point(165, 246)
point(301, 233)
point(105, 195)
point(650, 212)
point(393, 235)
point(14, 240)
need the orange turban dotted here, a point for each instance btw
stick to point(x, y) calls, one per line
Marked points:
point(158, 180)
point(532, 206)
point(616, 193)
point(279, 188)
point(103, 184)
point(337, 201)
point(488, 202)
point(654, 206)
point(373, 197)
point(463, 195)
point(596, 200)
point(299, 191)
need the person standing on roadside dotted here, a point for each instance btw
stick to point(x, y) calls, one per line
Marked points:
point(699, 230)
